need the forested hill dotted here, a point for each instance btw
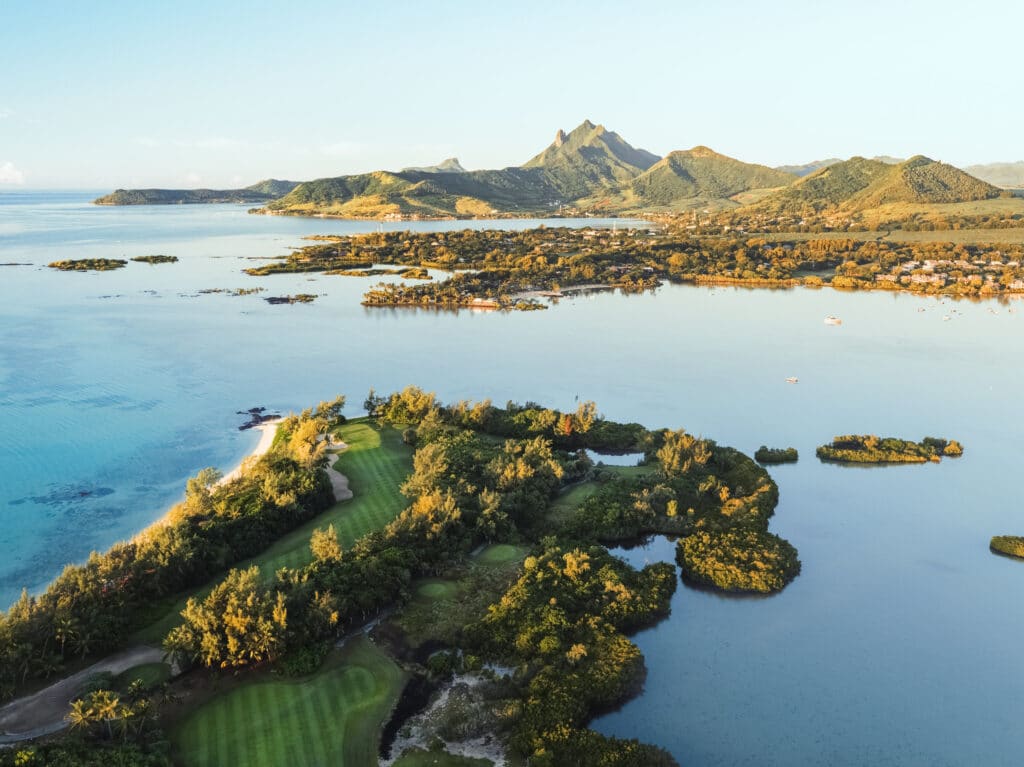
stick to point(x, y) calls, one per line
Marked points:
point(702, 172)
point(260, 192)
point(861, 184)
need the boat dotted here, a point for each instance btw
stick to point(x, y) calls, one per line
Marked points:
point(792, 379)
point(830, 320)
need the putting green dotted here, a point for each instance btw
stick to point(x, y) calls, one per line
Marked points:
point(437, 589)
point(500, 554)
point(331, 718)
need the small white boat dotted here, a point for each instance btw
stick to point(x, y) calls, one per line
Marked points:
point(792, 379)
point(830, 320)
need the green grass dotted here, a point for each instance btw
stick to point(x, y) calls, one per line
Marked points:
point(500, 554)
point(421, 758)
point(436, 589)
point(151, 674)
point(376, 462)
point(331, 718)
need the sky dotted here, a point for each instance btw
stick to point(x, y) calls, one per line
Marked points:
point(102, 95)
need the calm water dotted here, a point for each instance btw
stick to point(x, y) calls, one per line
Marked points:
point(897, 644)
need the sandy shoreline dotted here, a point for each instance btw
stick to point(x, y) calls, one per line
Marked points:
point(268, 430)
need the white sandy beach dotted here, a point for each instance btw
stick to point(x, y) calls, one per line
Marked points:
point(268, 430)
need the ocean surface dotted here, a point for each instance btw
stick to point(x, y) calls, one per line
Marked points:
point(897, 645)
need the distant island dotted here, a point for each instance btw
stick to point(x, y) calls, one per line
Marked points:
point(776, 454)
point(260, 192)
point(88, 264)
point(871, 449)
point(156, 259)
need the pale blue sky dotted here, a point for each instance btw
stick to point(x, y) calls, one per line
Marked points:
point(122, 94)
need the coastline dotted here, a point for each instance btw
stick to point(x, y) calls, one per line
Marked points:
point(267, 429)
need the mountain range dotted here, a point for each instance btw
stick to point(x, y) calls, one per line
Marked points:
point(593, 169)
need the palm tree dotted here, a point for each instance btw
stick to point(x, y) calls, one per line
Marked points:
point(107, 705)
point(81, 715)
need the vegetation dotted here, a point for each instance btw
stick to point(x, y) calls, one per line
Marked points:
point(109, 728)
point(156, 259)
point(738, 560)
point(1011, 545)
point(333, 717)
point(859, 183)
point(77, 752)
point(88, 264)
point(854, 448)
point(698, 177)
point(499, 269)
point(776, 455)
point(565, 617)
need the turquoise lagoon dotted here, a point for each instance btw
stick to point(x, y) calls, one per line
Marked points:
point(896, 645)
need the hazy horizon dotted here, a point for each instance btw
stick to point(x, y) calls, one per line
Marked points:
point(221, 94)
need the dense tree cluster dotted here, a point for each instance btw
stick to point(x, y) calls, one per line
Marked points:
point(564, 619)
point(495, 269)
point(88, 264)
point(867, 448)
point(766, 454)
point(738, 560)
point(1011, 545)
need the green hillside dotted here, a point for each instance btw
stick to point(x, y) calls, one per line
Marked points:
point(861, 184)
point(422, 193)
point(702, 173)
point(260, 192)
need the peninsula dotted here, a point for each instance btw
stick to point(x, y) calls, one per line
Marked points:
point(481, 580)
